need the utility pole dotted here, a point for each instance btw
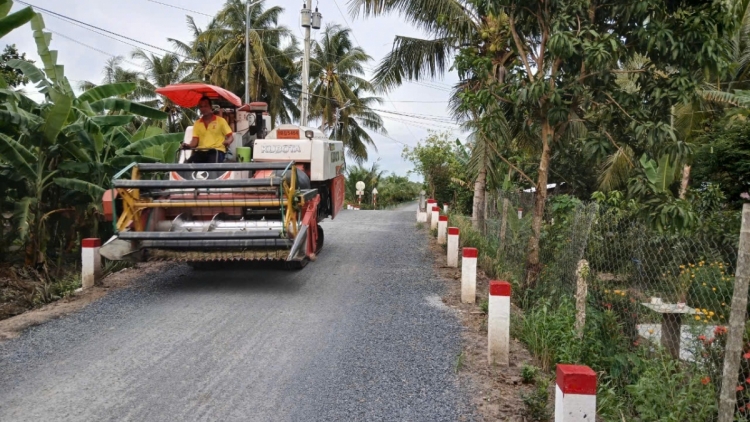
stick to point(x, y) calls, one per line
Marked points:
point(247, 54)
point(309, 19)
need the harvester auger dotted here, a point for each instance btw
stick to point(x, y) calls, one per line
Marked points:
point(267, 209)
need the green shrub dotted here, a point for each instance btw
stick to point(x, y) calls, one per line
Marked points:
point(536, 402)
point(529, 373)
point(668, 390)
point(549, 333)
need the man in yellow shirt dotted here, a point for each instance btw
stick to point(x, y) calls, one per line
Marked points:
point(211, 136)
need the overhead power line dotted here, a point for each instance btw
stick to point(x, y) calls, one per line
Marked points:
point(181, 8)
point(100, 29)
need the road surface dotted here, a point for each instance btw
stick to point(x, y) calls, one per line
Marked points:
point(360, 334)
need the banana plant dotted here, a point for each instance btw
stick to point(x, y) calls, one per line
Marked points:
point(62, 151)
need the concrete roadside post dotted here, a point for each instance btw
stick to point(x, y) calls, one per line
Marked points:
point(453, 247)
point(469, 275)
point(442, 229)
point(498, 323)
point(575, 394)
point(445, 208)
point(91, 262)
point(434, 218)
point(520, 213)
point(428, 211)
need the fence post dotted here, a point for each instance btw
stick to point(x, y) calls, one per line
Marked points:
point(581, 292)
point(498, 323)
point(504, 221)
point(91, 262)
point(445, 208)
point(575, 394)
point(728, 397)
point(520, 213)
point(453, 247)
point(442, 229)
point(434, 217)
point(469, 275)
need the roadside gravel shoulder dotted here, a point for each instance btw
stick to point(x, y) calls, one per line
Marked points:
point(496, 391)
point(14, 326)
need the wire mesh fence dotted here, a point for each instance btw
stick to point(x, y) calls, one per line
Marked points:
point(667, 294)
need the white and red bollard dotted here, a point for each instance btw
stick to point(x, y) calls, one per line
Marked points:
point(469, 275)
point(498, 323)
point(434, 218)
point(520, 213)
point(428, 211)
point(445, 208)
point(442, 229)
point(91, 262)
point(575, 394)
point(453, 247)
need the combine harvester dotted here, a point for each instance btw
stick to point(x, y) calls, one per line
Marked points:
point(267, 208)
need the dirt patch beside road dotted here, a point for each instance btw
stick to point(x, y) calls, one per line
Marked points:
point(12, 327)
point(496, 391)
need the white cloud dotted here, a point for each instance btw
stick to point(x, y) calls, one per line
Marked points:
point(84, 52)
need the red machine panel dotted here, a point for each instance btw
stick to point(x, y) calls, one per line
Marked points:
point(338, 192)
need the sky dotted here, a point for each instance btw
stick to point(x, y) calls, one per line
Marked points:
point(84, 52)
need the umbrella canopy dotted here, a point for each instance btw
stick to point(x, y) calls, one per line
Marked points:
point(188, 95)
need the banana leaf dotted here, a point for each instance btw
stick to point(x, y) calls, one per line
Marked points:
point(30, 71)
point(106, 91)
point(158, 140)
point(120, 104)
point(5, 6)
point(92, 190)
point(17, 156)
point(122, 161)
point(21, 216)
point(119, 137)
point(109, 121)
point(49, 57)
point(74, 166)
point(144, 132)
point(56, 118)
point(15, 20)
point(82, 146)
point(24, 121)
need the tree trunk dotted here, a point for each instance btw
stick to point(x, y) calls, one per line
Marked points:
point(533, 266)
point(685, 181)
point(477, 210)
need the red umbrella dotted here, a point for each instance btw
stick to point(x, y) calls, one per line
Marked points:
point(188, 95)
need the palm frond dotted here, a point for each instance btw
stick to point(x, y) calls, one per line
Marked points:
point(616, 169)
point(413, 59)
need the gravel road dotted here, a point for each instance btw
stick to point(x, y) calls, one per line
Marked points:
point(360, 334)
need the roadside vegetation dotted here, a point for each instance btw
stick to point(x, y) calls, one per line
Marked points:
point(605, 132)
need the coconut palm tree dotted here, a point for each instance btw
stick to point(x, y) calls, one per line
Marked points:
point(450, 26)
point(336, 69)
point(160, 72)
point(200, 51)
point(114, 73)
point(269, 54)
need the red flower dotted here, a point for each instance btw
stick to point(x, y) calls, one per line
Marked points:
point(720, 330)
point(702, 338)
point(739, 388)
point(747, 380)
point(746, 355)
point(705, 380)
